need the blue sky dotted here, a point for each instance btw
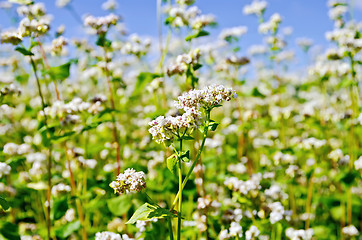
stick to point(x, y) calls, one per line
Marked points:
point(309, 18)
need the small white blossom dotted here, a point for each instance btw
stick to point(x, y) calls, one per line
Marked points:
point(129, 181)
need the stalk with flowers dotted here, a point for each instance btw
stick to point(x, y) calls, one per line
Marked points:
point(197, 106)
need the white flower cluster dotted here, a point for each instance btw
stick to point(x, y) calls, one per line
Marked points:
point(300, 234)
point(36, 22)
point(304, 43)
point(10, 89)
point(109, 5)
point(58, 44)
point(60, 188)
point(111, 236)
point(312, 142)
point(32, 10)
point(257, 49)
point(183, 61)
point(13, 149)
point(330, 68)
point(136, 46)
point(206, 98)
point(233, 32)
point(129, 181)
point(62, 3)
point(207, 202)
point(166, 128)
point(235, 230)
point(68, 111)
point(252, 233)
point(90, 163)
point(337, 12)
point(179, 16)
point(4, 169)
point(202, 21)
point(244, 187)
point(34, 27)
point(12, 37)
point(272, 25)
point(347, 37)
point(101, 24)
point(256, 7)
point(277, 212)
point(358, 163)
point(350, 231)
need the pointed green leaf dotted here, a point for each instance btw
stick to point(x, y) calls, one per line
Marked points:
point(185, 156)
point(119, 205)
point(24, 51)
point(147, 212)
point(171, 163)
point(66, 230)
point(4, 204)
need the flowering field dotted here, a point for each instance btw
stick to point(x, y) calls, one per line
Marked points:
point(188, 136)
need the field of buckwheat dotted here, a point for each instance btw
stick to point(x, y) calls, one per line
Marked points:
point(115, 136)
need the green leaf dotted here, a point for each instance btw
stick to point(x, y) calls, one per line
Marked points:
point(187, 138)
point(119, 205)
point(337, 212)
point(60, 72)
point(197, 66)
point(4, 204)
point(256, 93)
point(142, 80)
point(200, 33)
point(102, 41)
point(10, 231)
point(22, 78)
point(213, 125)
point(185, 156)
point(61, 137)
point(66, 230)
point(349, 177)
point(24, 51)
point(172, 162)
point(148, 211)
point(60, 207)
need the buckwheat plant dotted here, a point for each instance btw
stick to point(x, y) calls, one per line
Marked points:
point(197, 106)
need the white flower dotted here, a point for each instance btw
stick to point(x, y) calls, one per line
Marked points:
point(256, 7)
point(235, 230)
point(129, 181)
point(10, 148)
point(60, 188)
point(4, 169)
point(109, 5)
point(358, 163)
point(62, 3)
point(233, 32)
point(252, 232)
point(350, 231)
point(301, 234)
point(111, 236)
point(277, 212)
point(13, 37)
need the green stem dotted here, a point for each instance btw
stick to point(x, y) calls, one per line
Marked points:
point(113, 107)
point(180, 191)
point(196, 159)
point(50, 148)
